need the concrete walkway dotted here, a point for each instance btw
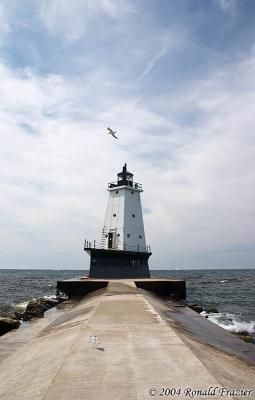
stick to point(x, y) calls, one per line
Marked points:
point(138, 351)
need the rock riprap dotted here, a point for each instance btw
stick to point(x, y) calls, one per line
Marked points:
point(36, 308)
point(7, 324)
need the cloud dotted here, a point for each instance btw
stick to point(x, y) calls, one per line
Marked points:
point(161, 45)
point(52, 180)
point(4, 20)
point(207, 197)
point(152, 63)
point(197, 179)
point(227, 6)
point(42, 93)
point(191, 145)
point(61, 17)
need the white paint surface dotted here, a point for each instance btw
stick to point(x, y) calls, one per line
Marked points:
point(124, 219)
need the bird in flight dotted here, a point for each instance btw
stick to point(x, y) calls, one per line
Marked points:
point(112, 133)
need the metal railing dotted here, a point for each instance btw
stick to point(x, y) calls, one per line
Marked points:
point(134, 185)
point(100, 246)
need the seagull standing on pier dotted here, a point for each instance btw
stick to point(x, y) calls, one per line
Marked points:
point(111, 132)
point(95, 341)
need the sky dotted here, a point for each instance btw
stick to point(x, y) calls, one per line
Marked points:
point(176, 79)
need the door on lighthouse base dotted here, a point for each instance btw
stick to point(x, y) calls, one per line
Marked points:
point(110, 240)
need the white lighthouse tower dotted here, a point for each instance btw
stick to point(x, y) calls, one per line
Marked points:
point(122, 252)
point(123, 227)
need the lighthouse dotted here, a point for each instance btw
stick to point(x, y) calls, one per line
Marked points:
point(122, 252)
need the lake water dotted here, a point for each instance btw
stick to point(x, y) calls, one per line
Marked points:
point(231, 291)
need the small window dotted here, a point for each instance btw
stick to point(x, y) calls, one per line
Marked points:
point(117, 192)
point(140, 236)
point(132, 192)
point(118, 235)
point(114, 215)
point(128, 235)
point(133, 215)
point(106, 235)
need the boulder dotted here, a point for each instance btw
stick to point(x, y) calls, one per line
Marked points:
point(212, 310)
point(8, 314)
point(7, 324)
point(60, 298)
point(37, 307)
point(51, 302)
point(244, 335)
point(18, 315)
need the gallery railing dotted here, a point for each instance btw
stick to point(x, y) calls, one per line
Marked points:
point(121, 247)
point(134, 185)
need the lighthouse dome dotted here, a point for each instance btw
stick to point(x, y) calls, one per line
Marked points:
point(125, 177)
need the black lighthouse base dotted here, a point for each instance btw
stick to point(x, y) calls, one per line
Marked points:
point(118, 264)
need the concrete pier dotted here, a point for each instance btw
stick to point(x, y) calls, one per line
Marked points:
point(164, 287)
point(140, 355)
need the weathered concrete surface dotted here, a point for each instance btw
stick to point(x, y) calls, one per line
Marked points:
point(189, 324)
point(13, 340)
point(137, 351)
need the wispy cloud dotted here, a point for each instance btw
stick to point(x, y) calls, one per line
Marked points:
point(151, 64)
point(227, 6)
point(4, 21)
point(61, 17)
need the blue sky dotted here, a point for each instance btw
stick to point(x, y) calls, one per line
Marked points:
point(175, 79)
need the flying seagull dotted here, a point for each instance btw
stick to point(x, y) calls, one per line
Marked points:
point(112, 133)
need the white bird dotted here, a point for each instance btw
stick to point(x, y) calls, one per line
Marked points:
point(94, 340)
point(111, 132)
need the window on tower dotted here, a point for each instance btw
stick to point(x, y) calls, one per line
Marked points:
point(128, 235)
point(133, 215)
point(114, 215)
